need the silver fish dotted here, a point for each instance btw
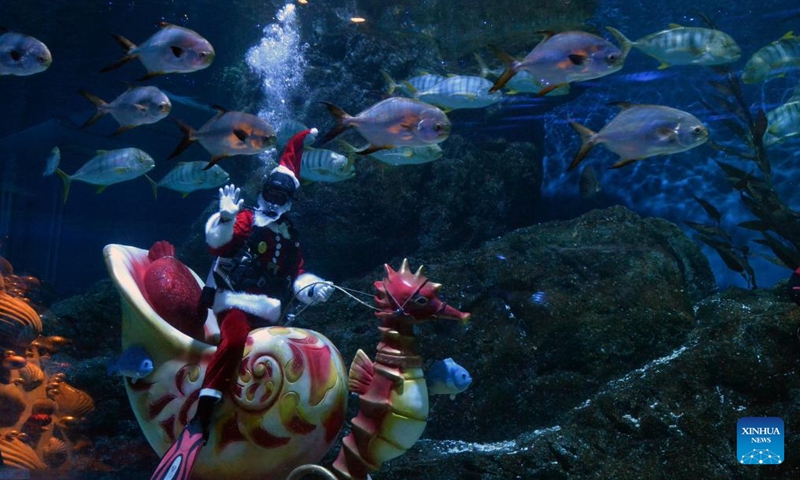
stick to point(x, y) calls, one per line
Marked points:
point(108, 168)
point(563, 58)
point(172, 49)
point(22, 55)
point(228, 134)
point(773, 60)
point(393, 122)
point(187, 177)
point(321, 165)
point(460, 91)
point(409, 155)
point(679, 45)
point(522, 82)
point(136, 106)
point(642, 131)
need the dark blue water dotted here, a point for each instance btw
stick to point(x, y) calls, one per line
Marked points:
point(62, 244)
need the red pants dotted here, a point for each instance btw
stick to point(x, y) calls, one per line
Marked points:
point(234, 325)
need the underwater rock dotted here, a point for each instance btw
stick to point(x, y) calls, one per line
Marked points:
point(738, 361)
point(417, 209)
point(624, 356)
point(453, 29)
point(620, 291)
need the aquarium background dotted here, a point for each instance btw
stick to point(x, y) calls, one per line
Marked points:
point(503, 172)
point(44, 110)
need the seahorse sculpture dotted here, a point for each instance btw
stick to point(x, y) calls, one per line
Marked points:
point(393, 396)
point(287, 405)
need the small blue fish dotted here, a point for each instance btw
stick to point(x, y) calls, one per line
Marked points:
point(51, 164)
point(134, 363)
point(446, 377)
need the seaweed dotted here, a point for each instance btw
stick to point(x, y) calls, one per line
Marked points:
point(713, 235)
point(778, 224)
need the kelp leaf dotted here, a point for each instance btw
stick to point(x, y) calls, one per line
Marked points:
point(735, 175)
point(709, 230)
point(757, 225)
point(710, 209)
point(789, 257)
point(725, 253)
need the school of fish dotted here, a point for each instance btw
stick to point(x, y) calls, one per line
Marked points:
point(409, 126)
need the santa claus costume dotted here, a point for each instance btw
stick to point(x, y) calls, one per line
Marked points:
point(258, 269)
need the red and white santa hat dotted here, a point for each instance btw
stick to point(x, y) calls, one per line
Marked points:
point(293, 154)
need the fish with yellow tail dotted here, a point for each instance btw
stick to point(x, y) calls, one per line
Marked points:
point(172, 49)
point(774, 60)
point(679, 45)
point(642, 131)
point(563, 58)
point(458, 92)
point(188, 177)
point(419, 83)
point(136, 106)
point(402, 155)
point(108, 168)
point(22, 55)
point(783, 122)
point(228, 134)
point(393, 122)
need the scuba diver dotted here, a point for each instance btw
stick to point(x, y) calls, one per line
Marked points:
point(257, 271)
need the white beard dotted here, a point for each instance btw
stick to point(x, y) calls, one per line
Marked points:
point(261, 219)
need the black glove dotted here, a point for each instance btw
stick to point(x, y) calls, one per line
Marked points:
point(205, 407)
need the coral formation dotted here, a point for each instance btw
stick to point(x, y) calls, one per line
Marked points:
point(40, 413)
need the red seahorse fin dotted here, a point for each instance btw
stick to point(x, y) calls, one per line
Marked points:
point(361, 372)
point(161, 249)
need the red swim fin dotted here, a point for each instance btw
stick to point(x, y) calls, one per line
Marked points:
point(178, 462)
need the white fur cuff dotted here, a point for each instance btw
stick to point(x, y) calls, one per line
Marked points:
point(261, 306)
point(218, 233)
point(304, 280)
